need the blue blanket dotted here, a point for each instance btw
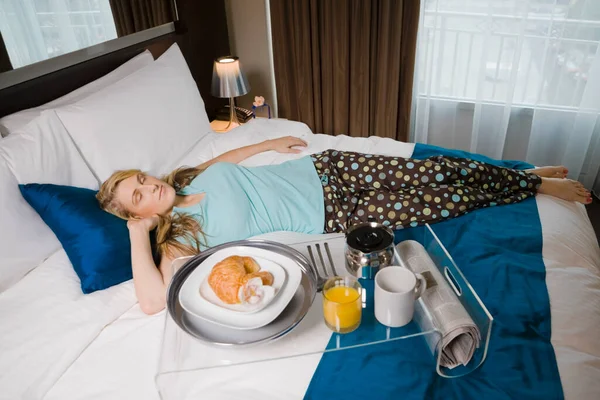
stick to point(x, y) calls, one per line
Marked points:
point(499, 249)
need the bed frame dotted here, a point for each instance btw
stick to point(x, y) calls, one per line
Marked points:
point(201, 33)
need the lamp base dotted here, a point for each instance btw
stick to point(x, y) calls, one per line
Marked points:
point(233, 119)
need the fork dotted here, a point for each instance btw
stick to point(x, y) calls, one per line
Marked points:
point(321, 278)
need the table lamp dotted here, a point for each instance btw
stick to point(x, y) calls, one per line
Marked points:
point(229, 81)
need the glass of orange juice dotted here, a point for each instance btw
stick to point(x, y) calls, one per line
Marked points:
point(342, 303)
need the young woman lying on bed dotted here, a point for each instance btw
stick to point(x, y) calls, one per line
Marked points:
point(219, 201)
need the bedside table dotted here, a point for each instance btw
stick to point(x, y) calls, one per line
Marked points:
point(219, 126)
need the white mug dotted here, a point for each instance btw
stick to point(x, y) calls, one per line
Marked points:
point(396, 289)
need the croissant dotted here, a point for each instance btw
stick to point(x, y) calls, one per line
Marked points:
point(230, 274)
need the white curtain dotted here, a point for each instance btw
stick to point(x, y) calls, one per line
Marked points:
point(512, 79)
point(35, 30)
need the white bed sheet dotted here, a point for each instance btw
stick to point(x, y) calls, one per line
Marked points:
point(119, 365)
point(572, 260)
point(47, 322)
point(122, 361)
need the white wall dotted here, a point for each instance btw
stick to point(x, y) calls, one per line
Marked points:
point(248, 23)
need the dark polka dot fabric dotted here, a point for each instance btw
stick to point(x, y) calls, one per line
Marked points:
point(400, 192)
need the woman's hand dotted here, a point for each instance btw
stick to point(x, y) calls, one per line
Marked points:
point(144, 224)
point(285, 144)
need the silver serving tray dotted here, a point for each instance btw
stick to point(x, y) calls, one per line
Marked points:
point(219, 335)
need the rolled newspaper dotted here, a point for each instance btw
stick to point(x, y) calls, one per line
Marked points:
point(460, 334)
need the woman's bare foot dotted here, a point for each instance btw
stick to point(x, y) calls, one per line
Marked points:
point(565, 189)
point(550, 172)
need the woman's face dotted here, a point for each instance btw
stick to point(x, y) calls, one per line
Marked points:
point(144, 196)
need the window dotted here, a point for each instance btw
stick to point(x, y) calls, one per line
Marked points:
point(527, 52)
point(512, 79)
point(35, 30)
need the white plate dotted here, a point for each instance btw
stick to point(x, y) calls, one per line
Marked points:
point(279, 278)
point(194, 303)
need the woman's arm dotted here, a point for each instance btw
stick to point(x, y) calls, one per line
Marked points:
point(281, 145)
point(150, 283)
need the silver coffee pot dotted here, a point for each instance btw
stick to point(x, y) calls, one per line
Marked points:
point(369, 247)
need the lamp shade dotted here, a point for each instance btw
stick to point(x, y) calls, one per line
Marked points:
point(228, 78)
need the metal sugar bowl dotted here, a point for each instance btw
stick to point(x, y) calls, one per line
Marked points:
point(369, 247)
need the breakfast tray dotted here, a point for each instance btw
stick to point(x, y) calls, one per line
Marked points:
point(188, 360)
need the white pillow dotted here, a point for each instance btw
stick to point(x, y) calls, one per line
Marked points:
point(148, 120)
point(200, 153)
point(42, 152)
point(12, 122)
point(25, 240)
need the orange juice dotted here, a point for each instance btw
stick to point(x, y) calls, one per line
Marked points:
point(342, 307)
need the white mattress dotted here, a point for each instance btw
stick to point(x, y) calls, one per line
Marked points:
point(61, 344)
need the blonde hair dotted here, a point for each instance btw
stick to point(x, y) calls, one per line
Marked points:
point(177, 231)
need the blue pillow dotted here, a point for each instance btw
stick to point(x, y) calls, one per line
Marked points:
point(96, 242)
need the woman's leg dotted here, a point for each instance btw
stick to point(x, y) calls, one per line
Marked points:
point(398, 191)
point(358, 172)
point(427, 204)
point(431, 204)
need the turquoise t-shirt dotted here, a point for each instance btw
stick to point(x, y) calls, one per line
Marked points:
point(241, 202)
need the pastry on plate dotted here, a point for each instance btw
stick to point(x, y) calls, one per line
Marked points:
point(238, 280)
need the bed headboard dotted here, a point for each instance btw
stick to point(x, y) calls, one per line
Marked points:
point(201, 33)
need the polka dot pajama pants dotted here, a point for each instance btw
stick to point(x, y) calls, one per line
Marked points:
point(400, 192)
